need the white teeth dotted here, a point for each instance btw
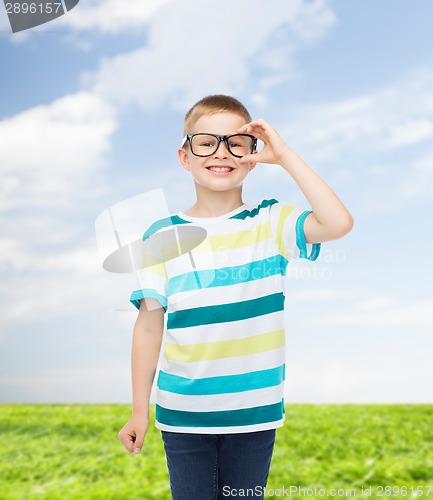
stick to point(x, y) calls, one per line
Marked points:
point(221, 169)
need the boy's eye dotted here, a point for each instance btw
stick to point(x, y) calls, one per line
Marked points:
point(235, 145)
point(205, 141)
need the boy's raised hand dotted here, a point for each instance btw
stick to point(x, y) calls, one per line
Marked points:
point(274, 147)
point(132, 433)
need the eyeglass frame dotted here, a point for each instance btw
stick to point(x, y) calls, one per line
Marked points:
point(220, 139)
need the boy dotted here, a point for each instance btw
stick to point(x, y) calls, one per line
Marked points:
point(220, 390)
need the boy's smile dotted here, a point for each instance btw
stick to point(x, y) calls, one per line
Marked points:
point(220, 170)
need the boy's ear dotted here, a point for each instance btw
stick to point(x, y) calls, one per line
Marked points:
point(182, 156)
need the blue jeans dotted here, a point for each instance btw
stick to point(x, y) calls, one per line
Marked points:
point(218, 466)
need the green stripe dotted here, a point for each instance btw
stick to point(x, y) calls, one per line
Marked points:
point(226, 312)
point(227, 418)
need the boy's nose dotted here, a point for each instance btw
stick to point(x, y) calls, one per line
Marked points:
point(222, 151)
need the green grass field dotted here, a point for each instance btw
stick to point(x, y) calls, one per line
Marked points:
point(72, 452)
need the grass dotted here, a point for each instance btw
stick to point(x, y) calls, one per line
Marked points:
point(71, 452)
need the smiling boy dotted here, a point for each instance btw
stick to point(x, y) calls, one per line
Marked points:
point(220, 389)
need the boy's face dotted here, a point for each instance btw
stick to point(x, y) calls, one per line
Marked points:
point(223, 123)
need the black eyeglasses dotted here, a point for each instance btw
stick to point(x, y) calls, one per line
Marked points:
point(207, 144)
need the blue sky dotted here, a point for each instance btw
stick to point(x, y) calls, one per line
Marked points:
point(91, 114)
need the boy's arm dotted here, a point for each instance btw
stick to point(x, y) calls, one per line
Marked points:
point(146, 344)
point(330, 219)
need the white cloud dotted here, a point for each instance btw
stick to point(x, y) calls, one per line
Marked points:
point(51, 159)
point(419, 183)
point(49, 151)
point(397, 379)
point(325, 294)
point(191, 51)
point(34, 297)
point(391, 118)
point(107, 17)
point(382, 313)
point(376, 303)
point(80, 384)
point(22, 256)
point(111, 16)
point(373, 142)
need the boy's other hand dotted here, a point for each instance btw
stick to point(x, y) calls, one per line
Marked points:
point(274, 147)
point(132, 433)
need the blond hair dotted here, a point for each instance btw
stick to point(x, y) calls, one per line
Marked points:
point(212, 104)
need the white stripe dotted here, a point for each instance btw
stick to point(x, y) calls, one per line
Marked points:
point(208, 255)
point(148, 279)
point(219, 402)
point(210, 260)
point(226, 366)
point(222, 430)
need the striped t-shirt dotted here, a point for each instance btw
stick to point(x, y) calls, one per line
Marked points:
point(221, 283)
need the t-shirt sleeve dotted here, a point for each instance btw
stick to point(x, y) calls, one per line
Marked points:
point(152, 276)
point(287, 225)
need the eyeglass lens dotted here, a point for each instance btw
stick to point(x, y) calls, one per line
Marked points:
point(206, 145)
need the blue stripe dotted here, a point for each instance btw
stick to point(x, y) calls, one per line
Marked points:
point(228, 418)
point(223, 313)
point(173, 220)
point(223, 384)
point(137, 295)
point(300, 239)
point(255, 211)
point(225, 276)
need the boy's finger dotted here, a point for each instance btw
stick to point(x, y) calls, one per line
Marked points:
point(138, 443)
point(128, 443)
point(249, 158)
point(258, 133)
point(126, 440)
